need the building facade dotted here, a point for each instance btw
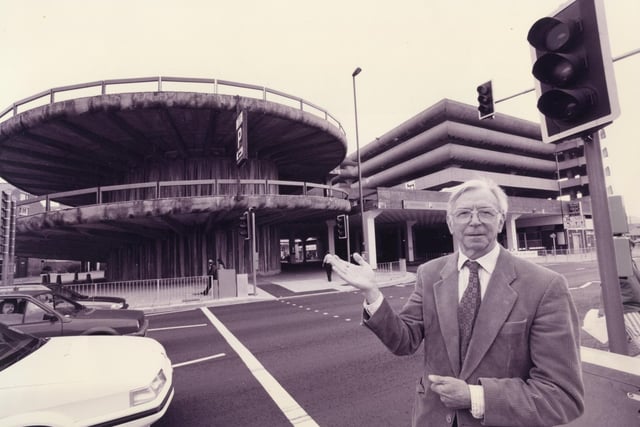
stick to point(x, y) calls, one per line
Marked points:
point(153, 183)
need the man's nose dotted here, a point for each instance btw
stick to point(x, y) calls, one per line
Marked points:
point(474, 218)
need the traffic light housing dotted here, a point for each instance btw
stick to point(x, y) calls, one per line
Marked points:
point(486, 108)
point(341, 226)
point(244, 225)
point(573, 71)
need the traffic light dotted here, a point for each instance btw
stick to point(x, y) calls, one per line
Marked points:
point(5, 222)
point(244, 225)
point(341, 226)
point(573, 69)
point(485, 101)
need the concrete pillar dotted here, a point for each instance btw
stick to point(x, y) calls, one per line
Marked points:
point(408, 244)
point(331, 224)
point(370, 237)
point(512, 233)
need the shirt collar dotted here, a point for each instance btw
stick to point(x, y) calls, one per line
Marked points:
point(487, 261)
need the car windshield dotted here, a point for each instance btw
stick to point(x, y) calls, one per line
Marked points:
point(15, 345)
point(61, 304)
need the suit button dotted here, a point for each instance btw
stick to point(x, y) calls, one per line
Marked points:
point(449, 418)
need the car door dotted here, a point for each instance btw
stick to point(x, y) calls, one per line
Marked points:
point(40, 320)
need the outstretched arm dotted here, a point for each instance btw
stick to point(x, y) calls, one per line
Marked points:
point(360, 276)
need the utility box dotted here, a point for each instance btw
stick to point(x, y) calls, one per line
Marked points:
point(227, 287)
point(619, 220)
point(243, 285)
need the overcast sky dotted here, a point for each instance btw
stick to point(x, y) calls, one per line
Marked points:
point(412, 53)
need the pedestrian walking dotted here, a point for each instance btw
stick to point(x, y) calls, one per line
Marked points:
point(327, 266)
point(212, 272)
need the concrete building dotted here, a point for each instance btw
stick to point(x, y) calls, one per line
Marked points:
point(150, 181)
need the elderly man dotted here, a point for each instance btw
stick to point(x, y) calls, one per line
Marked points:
point(500, 334)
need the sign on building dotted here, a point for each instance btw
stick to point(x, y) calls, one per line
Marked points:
point(242, 150)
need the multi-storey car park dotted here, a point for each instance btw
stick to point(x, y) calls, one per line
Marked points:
point(147, 179)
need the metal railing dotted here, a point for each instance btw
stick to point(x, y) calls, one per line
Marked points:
point(192, 188)
point(559, 255)
point(152, 293)
point(215, 84)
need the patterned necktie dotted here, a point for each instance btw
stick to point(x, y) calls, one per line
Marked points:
point(468, 307)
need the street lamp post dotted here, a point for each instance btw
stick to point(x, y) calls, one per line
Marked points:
point(360, 195)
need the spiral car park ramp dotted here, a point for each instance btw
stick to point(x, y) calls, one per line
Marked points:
point(148, 180)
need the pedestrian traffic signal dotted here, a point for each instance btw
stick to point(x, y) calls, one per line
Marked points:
point(244, 225)
point(573, 69)
point(485, 101)
point(341, 226)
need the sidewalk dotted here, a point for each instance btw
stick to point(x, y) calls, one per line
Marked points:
point(301, 281)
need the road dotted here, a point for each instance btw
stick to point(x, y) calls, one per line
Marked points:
point(300, 358)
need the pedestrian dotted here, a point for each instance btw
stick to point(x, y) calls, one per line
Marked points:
point(327, 266)
point(221, 263)
point(212, 272)
point(514, 360)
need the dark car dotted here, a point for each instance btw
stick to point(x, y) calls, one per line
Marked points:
point(86, 300)
point(38, 311)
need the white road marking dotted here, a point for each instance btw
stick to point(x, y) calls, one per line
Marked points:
point(584, 285)
point(287, 404)
point(202, 359)
point(176, 327)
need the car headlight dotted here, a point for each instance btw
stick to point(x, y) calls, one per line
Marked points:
point(116, 306)
point(148, 393)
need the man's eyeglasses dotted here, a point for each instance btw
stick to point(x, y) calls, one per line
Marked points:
point(485, 215)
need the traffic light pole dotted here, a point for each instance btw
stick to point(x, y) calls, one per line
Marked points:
point(610, 286)
point(254, 253)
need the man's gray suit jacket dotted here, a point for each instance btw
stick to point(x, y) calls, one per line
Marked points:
point(524, 350)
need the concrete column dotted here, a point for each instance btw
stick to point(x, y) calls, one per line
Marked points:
point(331, 224)
point(370, 237)
point(408, 244)
point(512, 233)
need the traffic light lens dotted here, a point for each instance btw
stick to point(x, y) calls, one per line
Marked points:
point(551, 34)
point(557, 37)
point(565, 105)
point(557, 70)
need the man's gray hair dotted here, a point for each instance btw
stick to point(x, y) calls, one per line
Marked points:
point(480, 184)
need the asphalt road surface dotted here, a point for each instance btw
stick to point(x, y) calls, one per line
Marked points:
point(302, 360)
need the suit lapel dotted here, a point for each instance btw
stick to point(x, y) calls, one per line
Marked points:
point(446, 300)
point(494, 311)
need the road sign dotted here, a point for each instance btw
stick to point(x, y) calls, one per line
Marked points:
point(242, 150)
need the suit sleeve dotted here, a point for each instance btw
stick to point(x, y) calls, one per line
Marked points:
point(402, 332)
point(553, 391)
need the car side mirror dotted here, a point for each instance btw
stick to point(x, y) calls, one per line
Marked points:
point(51, 317)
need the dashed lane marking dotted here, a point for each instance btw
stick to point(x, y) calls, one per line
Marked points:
point(287, 404)
point(584, 285)
point(169, 328)
point(202, 359)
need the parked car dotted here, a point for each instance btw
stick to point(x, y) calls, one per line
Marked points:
point(99, 301)
point(38, 311)
point(81, 381)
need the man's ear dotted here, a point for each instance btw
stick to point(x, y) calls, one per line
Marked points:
point(449, 224)
point(503, 219)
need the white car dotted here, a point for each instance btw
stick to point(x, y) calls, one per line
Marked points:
point(82, 380)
